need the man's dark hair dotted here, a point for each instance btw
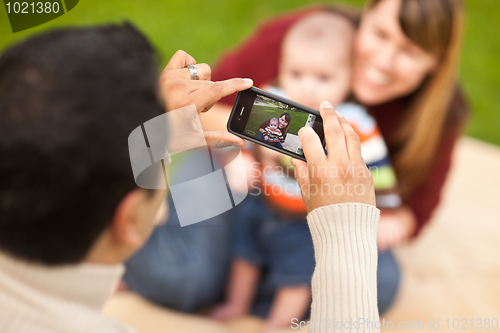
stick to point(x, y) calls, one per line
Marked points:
point(68, 101)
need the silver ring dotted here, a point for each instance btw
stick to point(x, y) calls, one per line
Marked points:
point(193, 71)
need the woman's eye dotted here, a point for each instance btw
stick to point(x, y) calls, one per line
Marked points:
point(324, 78)
point(379, 33)
point(410, 51)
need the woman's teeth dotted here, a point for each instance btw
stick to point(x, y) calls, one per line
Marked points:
point(376, 76)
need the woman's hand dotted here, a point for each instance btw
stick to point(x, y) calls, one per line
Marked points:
point(339, 177)
point(395, 227)
point(178, 89)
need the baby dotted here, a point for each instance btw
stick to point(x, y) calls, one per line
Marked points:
point(272, 133)
point(271, 229)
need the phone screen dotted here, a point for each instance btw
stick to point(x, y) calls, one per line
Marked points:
point(274, 123)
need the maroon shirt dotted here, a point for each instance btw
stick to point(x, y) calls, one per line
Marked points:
point(258, 59)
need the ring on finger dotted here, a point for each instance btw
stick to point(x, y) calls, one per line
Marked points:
point(193, 71)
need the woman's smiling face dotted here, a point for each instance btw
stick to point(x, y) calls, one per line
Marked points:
point(282, 122)
point(388, 65)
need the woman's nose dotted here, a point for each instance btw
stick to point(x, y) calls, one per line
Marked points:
point(385, 58)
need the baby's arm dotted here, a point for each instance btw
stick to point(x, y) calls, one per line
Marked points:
point(289, 302)
point(265, 133)
point(240, 292)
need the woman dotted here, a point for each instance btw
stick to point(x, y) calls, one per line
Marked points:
point(283, 124)
point(406, 55)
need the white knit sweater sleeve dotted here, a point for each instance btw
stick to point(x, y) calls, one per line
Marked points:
point(344, 284)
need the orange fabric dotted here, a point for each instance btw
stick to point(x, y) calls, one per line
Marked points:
point(365, 137)
point(282, 200)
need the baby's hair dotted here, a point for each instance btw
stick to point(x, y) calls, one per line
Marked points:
point(273, 120)
point(323, 29)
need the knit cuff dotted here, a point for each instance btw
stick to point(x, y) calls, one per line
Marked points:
point(344, 284)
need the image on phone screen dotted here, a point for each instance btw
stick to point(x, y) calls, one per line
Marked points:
point(273, 121)
point(277, 123)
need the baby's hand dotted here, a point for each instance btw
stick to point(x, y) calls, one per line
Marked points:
point(266, 138)
point(395, 227)
point(390, 233)
point(227, 311)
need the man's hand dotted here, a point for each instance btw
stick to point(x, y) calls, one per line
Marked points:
point(339, 177)
point(178, 89)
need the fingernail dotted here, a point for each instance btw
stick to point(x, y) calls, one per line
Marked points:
point(326, 104)
point(248, 81)
point(339, 114)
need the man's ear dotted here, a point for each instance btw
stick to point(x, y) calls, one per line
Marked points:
point(125, 226)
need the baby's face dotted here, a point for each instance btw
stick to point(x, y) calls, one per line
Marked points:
point(273, 125)
point(310, 76)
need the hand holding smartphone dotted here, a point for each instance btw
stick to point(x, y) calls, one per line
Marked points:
point(273, 121)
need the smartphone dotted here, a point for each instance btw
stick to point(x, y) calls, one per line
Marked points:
point(273, 121)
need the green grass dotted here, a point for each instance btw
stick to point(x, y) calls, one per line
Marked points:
point(298, 121)
point(206, 28)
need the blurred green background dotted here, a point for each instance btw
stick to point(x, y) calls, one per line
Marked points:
point(204, 28)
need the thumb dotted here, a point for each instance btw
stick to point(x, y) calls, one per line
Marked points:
point(213, 92)
point(221, 139)
point(231, 86)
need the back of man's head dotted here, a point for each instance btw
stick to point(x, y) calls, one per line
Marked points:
point(68, 101)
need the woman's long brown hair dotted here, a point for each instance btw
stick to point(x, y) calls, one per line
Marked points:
point(436, 26)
